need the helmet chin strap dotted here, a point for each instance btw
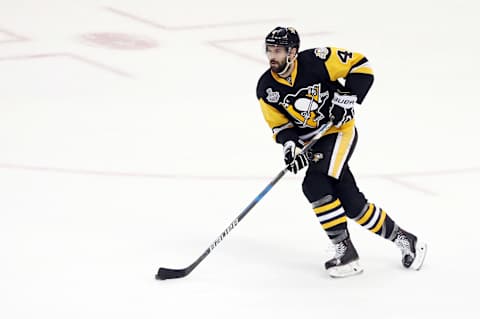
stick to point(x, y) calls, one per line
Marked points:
point(288, 64)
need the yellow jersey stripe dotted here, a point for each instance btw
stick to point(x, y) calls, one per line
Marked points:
point(363, 69)
point(338, 67)
point(273, 117)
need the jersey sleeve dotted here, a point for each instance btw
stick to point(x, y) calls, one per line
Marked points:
point(278, 122)
point(340, 63)
point(354, 67)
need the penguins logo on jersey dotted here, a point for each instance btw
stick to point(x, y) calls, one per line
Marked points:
point(305, 105)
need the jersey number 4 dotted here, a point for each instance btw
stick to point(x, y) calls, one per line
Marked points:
point(344, 56)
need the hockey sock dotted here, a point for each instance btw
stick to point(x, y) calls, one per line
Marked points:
point(332, 217)
point(377, 221)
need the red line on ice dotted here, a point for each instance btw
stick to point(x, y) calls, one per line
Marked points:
point(187, 27)
point(82, 59)
point(13, 37)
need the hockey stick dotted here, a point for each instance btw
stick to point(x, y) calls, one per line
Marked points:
point(167, 273)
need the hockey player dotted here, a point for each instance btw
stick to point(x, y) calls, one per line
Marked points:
point(298, 95)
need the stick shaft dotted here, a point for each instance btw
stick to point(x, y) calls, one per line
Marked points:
point(184, 272)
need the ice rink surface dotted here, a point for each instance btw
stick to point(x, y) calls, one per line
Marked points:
point(130, 137)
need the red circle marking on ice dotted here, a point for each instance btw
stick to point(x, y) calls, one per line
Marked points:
point(119, 41)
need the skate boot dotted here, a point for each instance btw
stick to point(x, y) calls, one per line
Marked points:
point(345, 262)
point(413, 251)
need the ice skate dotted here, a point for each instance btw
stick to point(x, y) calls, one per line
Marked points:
point(345, 262)
point(413, 250)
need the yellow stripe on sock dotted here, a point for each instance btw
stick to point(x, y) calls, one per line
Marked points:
point(367, 215)
point(326, 208)
point(334, 222)
point(380, 222)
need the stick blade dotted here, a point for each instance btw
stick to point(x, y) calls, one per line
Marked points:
point(166, 273)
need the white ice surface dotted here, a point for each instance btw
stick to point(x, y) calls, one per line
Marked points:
point(115, 162)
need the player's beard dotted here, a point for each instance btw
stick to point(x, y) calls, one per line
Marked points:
point(278, 66)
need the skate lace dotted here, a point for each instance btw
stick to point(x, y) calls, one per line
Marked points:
point(402, 242)
point(340, 250)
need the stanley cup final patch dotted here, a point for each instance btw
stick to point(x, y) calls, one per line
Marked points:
point(272, 97)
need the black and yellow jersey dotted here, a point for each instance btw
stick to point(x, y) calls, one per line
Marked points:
point(299, 104)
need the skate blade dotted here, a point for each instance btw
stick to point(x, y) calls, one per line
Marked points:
point(420, 252)
point(350, 269)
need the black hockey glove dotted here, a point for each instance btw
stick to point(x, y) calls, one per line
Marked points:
point(300, 162)
point(342, 110)
point(295, 162)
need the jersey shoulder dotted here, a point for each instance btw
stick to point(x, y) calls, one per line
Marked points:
point(320, 54)
point(339, 62)
point(265, 81)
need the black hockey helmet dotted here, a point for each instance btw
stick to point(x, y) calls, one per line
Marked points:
point(283, 36)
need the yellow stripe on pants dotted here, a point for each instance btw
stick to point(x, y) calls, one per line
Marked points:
point(341, 150)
